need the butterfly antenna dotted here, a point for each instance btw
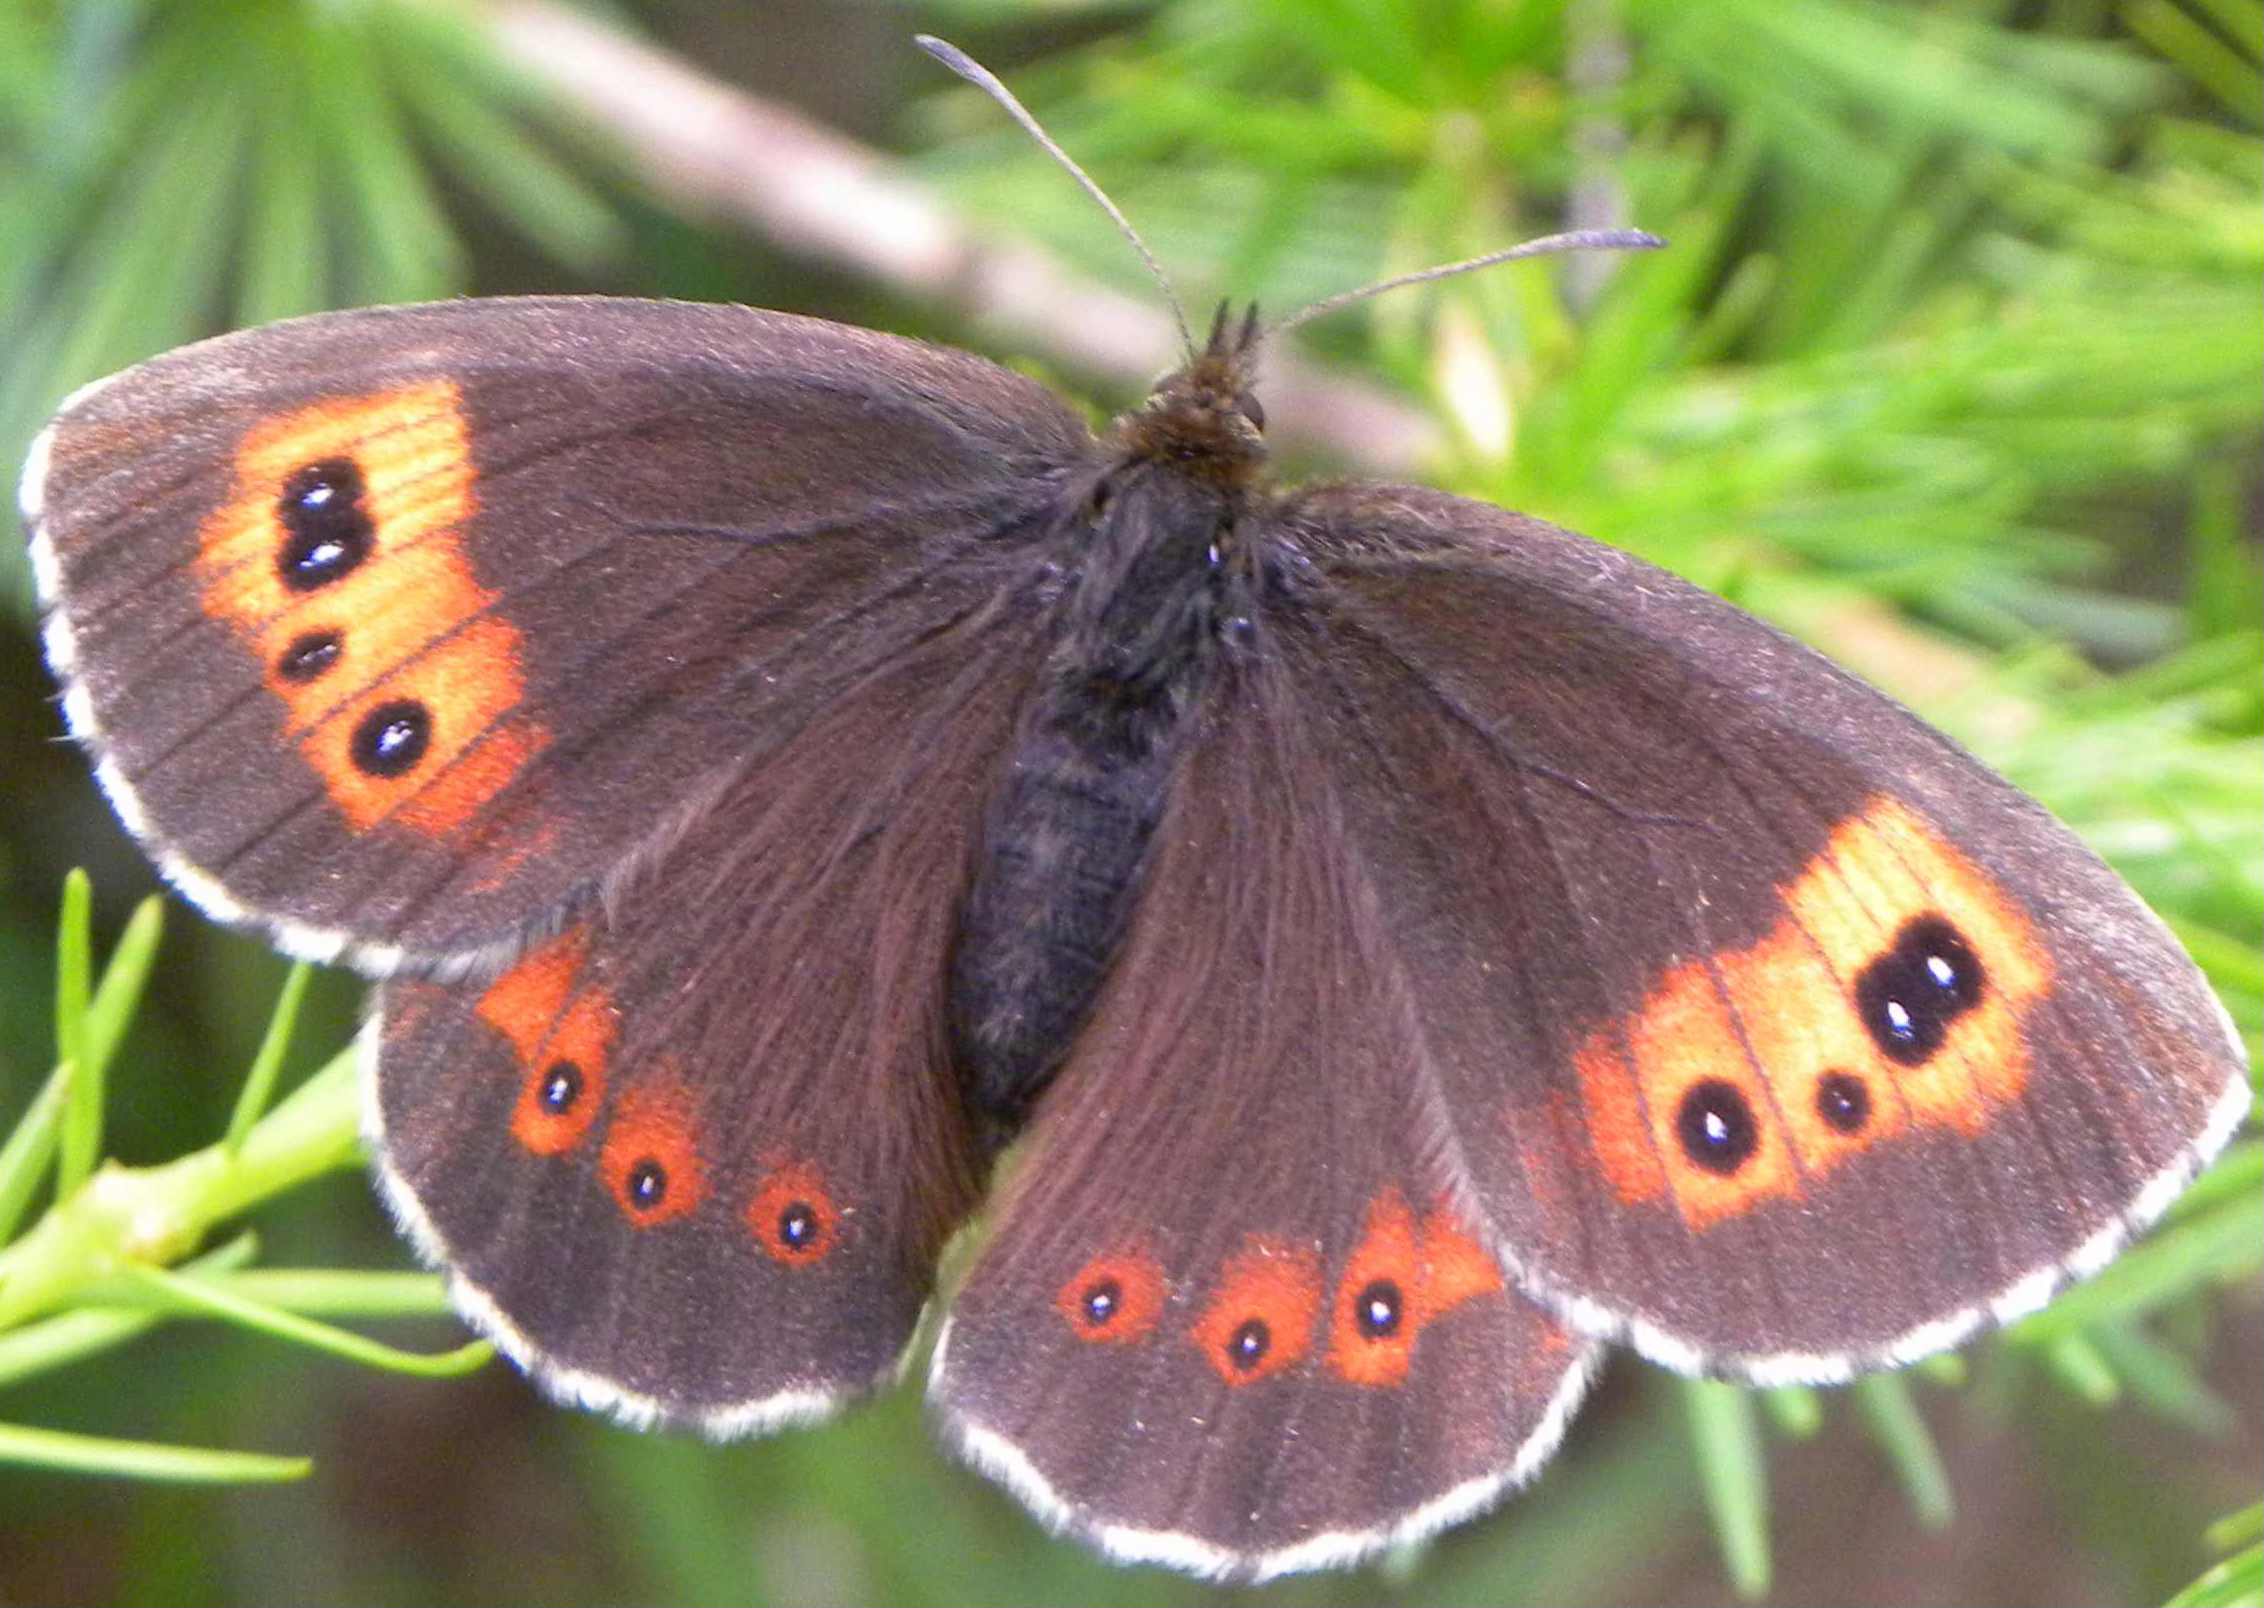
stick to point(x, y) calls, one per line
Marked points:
point(988, 82)
point(1546, 246)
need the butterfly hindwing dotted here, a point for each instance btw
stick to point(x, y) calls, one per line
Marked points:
point(684, 1160)
point(1231, 1315)
point(398, 631)
point(1776, 1032)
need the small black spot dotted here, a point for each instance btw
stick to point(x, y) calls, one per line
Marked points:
point(392, 737)
point(798, 1226)
point(1101, 1302)
point(561, 1087)
point(1248, 1345)
point(327, 530)
point(1716, 1126)
point(1910, 995)
point(648, 1184)
point(1376, 1309)
point(1843, 1101)
point(309, 656)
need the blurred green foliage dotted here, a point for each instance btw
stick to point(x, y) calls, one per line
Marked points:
point(1953, 368)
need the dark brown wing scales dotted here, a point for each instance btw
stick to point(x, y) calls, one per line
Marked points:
point(389, 628)
point(682, 1162)
point(1776, 1033)
point(1228, 1317)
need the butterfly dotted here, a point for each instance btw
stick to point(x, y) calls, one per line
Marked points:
point(1383, 947)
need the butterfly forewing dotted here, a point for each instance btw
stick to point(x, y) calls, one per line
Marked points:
point(1775, 1031)
point(1231, 1315)
point(398, 630)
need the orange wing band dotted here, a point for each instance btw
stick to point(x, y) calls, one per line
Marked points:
point(561, 1038)
point(1260, 1321)
point(391, 618)
point(793, 1217)
point(1767, 1050)
point(1401, 1277)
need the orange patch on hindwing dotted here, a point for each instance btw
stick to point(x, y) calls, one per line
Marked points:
point(1402, 1275)
point(1260, 1320)
point(561, 1038)
point(1115, 1298)
point(793, 1217)
point(339, 559)
point(1888, 998)
point(652, 1162)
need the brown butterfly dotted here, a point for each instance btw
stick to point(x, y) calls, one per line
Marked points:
point(774, 765)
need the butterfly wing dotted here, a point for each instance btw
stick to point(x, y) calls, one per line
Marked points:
point(693, 1160)
point(1230, 1317)
point(1771, 1030)
point(396, 632)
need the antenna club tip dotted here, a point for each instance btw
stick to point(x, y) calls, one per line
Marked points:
point(950, 55)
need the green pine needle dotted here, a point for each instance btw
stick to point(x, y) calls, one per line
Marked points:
point(91, 1272)
point(82, 1105)
point(1725, 1438)
point(61, 1452)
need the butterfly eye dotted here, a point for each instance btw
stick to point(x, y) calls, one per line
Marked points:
point(1716, 1125)
point(798, 1228)
point(309, 655)
point(1115, 1297)
point(1252, 409)
point(1102, 1301)
point(1248, 1345)
point(561, 1087)
point(647, 1184)
point(652, 1156)
point(1843, 1101)
point(1377, 1308)
point(392, 737)
point(327, 531)
point(1910, 995)
point(793, 1217)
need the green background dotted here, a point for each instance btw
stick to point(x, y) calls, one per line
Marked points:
point(1953, 368)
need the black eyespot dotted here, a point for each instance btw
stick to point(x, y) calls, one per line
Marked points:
point(1843, 1101)
point(309, 656)
point(1377, 1308)
point(648, 1184)
point(798, 1226)
point(327, 530)
point(561, 1087)
point(392, 737)
point(1716, 1126)
point(1102, 1300)
point(1248, 1345)
point(1910, 995)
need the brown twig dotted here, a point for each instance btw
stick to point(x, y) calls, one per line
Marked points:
point(718, 152)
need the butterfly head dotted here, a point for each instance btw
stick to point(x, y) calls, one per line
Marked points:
point(1205, 419)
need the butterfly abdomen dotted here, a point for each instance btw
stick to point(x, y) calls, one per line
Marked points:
point(1058, 870)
